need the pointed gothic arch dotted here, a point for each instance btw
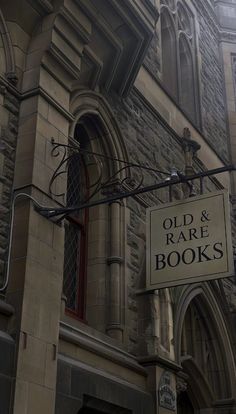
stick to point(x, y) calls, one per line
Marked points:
point(7, 60)
point(95, 129)
point(87, 102)
point(203, 346)
point(169, 52)
point(179, 56)
point(187, 93)
point(198, 392)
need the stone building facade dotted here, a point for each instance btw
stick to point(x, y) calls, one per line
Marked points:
point(90, 90)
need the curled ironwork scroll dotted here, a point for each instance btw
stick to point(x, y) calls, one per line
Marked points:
point(57, 150)
point(128, 177)
point(65, 154)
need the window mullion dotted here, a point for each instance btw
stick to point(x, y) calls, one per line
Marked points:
point(178, 63)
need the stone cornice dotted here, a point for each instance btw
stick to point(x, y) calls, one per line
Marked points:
point(227, 36)
point(103, 348)
point(71, 47)
point(44, 94)
point(126, 47)
point(5, 85)
point(160, 361)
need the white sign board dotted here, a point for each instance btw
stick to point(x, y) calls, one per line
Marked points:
point(189, 241)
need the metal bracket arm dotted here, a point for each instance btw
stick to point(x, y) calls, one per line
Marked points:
point(51, 212)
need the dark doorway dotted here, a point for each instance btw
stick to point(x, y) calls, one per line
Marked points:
point(96, 406)
point(184, 405)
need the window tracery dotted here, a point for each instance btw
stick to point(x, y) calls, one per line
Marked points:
point(201, 343)
point(93, 247)
point(178, 46)
point(169, 3)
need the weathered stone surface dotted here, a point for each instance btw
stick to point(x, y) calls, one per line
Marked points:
point(213, 105)
point(149, 143)
point(210, 81)
point(82, 387)
point(8, 137)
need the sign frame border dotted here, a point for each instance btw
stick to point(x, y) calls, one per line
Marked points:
point(195, 279)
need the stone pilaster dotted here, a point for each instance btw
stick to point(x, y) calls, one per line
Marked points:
point(9, 110)
point(114, 325)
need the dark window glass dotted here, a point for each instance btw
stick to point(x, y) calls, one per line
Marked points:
point(75, 249)
point(169, 57)
point(187, 96)
point(178, 46)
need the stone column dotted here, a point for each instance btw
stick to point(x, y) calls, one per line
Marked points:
point(36, 271)
point(37, 259)
point(114, 324)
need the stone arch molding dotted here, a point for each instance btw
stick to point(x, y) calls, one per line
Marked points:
point(208, 300)
point(91, 103)
point(89, 106)
point(7, 60)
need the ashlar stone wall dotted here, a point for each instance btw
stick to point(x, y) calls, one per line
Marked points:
point(9, 109)
point(209, 74)
point(212, 93)
point(150, 142)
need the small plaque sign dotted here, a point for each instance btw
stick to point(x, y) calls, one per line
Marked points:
point(167, 395)
point(189, 241)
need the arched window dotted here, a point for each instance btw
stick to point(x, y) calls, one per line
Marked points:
point(169, 58)
point(93, 248)
point(187, 95)
point(203, 348)
point(7, 59)
point(178, 44)
point(75, 250)
point(200, 342)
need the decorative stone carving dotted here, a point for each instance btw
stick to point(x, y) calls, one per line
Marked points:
point(190, 148)
point(167, 395)
point(184, 20)
point(169, 3)
point(181, 385)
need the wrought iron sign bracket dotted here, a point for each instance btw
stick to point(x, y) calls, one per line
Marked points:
point(174, 179)
point(126, 178)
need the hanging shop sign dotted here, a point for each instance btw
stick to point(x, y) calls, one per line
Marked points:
point(189, 241)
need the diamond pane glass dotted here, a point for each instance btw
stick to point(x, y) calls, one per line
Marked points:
point(75, 180)
point(76, 190)
point(71, 265)
point(75, 227)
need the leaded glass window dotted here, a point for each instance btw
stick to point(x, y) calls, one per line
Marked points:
point(178, 43)
point(75, 249)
